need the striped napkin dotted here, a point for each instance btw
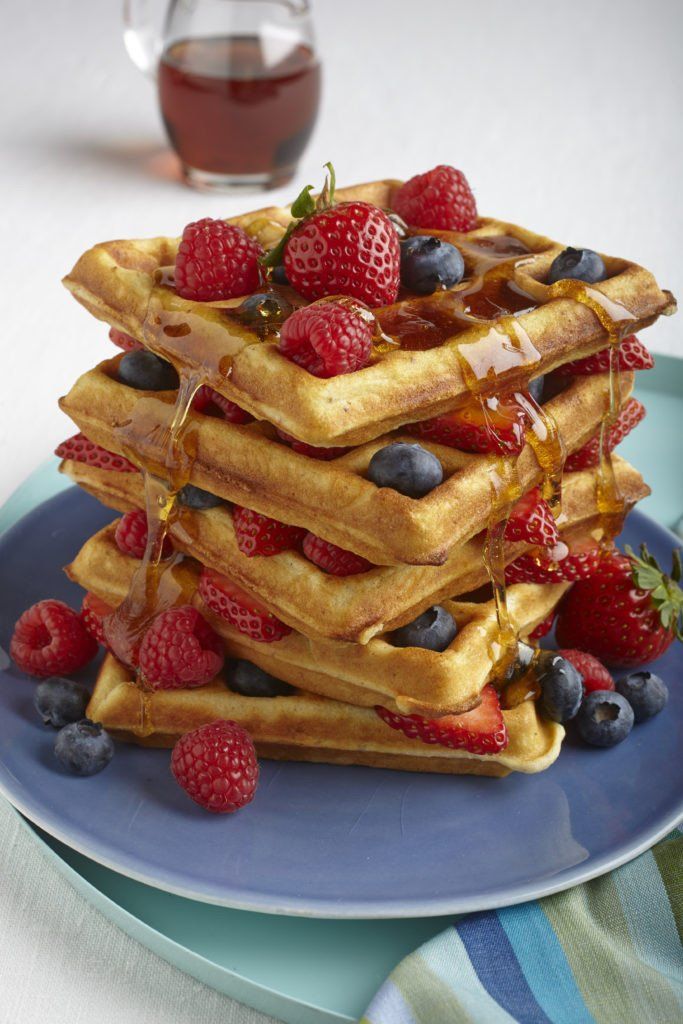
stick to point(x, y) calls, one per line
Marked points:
point(606, 952)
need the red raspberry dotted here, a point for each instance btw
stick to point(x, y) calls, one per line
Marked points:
point(131, 535)
point(215, 261)
point(124, 341)
point(632, 356)
point(630, 416)
point(326, 339)
point(348, 249)
point(332, 559)
point(179, 650)
point(93, 613)
point(440, 199)
point(261, 535)
point(242, 611)
point(212, 403)
point(80, 449)
point(50, 639)
point(543, 628)
point(216, 765)
point(594, 674)
point(312, 451)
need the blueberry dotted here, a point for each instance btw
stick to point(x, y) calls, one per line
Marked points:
point(646, 693)
point(264, 308)
point(434, 630)
point(561, 687)
point(605, 718)
point(84, 748)
point(280, 275)
point(408, 468)
point(535, 388)
point(578, 265)
point(251, 681)
point(146, 372)
point(427, 263)
point(59, 701)
point(195, 497)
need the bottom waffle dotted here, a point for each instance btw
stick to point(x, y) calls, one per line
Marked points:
point(305, 727)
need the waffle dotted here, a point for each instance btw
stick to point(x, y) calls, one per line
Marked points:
point(126, 283)
point(305, 727)
point(250, 466)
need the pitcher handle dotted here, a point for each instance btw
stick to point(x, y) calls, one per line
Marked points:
point(142, 41)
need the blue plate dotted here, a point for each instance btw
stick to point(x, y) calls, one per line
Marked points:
point(333, 841)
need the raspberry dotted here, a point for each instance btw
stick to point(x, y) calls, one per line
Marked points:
point(123, 341)
point(180, 649)
point(80, 449)
point(93, 613)
point(348, 249)
point(211, 403)
point(216, 765)
point(332, 559)
point(131, 535)
point(312, 451)
point(242, 611)
point(260, 535)
point(594, 674)
point(326, 339)
point(440, 199)
point(630, 416)
point(50, 639)
point(215, 261)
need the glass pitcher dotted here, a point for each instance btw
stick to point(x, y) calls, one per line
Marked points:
point(238, 84)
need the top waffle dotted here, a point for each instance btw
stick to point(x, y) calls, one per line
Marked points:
point(501, 324)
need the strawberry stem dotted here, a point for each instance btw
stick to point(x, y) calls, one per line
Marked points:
point(303, 206)
point(665, 593)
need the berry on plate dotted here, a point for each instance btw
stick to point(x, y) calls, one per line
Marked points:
point(433, 630)
point(428, 264)
point(131, 535)
point(578, 265)
point(123, 341)
point(532, 521)
point(261, 535)
point(604, 719)
point(251, 681)
point(84, 748)
point(197, 498)
point(593, 673)
point(60, 701)
point(327, 339)
point(212, 403)
point(93, 613)
point(180, 649)
point(241, 610)
point(541, 567)
point(440, 199)
point(561, 686)
point(216, 765)
point(80, 449)
point(335, 560)
point(50, 639)
point(646, 693)
point(407, 468)
point(632, 356)
point(312, 451)
point(628, 613)
point(216, 261)
point(480, 731)
point(496, 427)
point(629, 417)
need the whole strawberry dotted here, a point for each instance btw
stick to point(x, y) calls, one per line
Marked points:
point(628, 613)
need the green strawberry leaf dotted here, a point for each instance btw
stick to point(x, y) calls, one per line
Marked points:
point(665, 594)
point(303, 206)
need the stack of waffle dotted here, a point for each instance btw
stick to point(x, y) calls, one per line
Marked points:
point(332, 635)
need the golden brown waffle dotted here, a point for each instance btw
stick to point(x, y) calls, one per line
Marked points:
point(304, 727)
point(124, 283)
point(250, 466)
point(351, 608)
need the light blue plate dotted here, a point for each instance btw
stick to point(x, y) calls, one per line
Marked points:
point(242, 953)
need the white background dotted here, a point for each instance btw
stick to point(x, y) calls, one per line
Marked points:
point(564, 116)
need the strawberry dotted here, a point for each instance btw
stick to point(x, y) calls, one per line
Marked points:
point(541, 567)
point(492, 425)
point(261, 535)
point(93, 613)
point(339, 249)
point(241, 610)
point(80, 449)
point(440, 199)
point(632, 356)
point(531, 520)
point(330, 558)
point(629, 613)
point(312, 451)
point(543, 628)
point(593, 673)
point(123, 341)
point(480, 731)
point(629, 417)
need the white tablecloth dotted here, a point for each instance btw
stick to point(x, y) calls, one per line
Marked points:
point(565, 118)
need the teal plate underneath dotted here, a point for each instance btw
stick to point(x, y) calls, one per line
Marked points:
point(299, 970)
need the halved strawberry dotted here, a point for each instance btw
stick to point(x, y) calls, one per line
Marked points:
point(313, 452)
point(594, 674)
point(632, 356)
point(543, 628)
point(212, 403)
point(93, 613)
point(80, 449)
point(261, 535)
point(480, 731)
point(337, 561)
point(244, 612)
point(532, 521)
point(124, 341)
point(492, 425)
point(630, 416)
point(539, 566)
